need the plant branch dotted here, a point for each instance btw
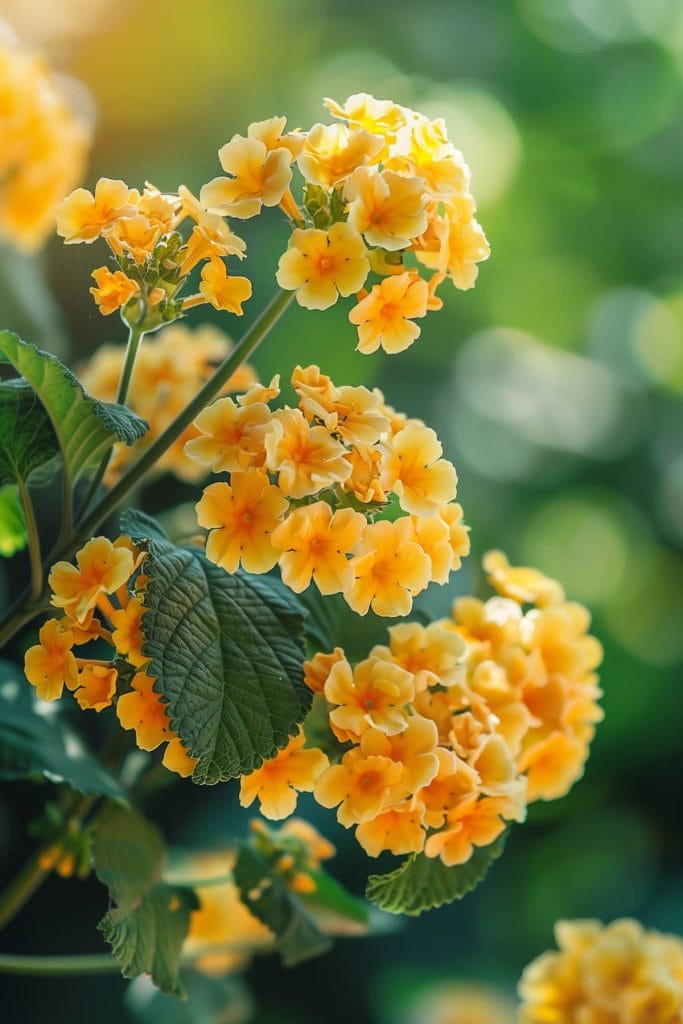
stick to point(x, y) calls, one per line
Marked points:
point(34, 872)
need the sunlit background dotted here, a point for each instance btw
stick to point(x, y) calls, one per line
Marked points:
point(555, 386)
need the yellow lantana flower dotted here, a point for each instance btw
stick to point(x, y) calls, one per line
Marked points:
point(361, 786)
point(242, 516)
point(231, 437)
point(142, 710)
point(177, 759)
point(113, 290)
point(83, 217)
point(414, 747)
point(389, 570)
point(388, 209)
point(399, 829)
point(306, 459)
point(223, 290)
point(385, 316)
point(50, 664)
point(102, 569)
point(380, 117)
point(521, 583)
point(604, 973)
point(413, 469)
point(375, 695)
point(320, 265)
point(127, 633)
point(277, 782)
point(317, 669)
point(454, 243)
point(332, 151)
point(315, 542)
point(470, 823)
point(96, 687)
point(431, 652)
point(258, 177)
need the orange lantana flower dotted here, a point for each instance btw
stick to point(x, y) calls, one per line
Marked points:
point(242, 516)
point(306, 458)
point(50, 665)
point(276, 783)
point(399, 829)
point(96, 686)
point(385, 318)
point(374, 694)
point(362, 786)
point(259, 177)
point(231, 436)
point(389, 209)
point(223, 290)
point(142, 710)
point(414, 469)
point(332, 151)
point(83, 217)
point(127, 634)
point(470, 823)
point(113, 290)
point(389, 570)
point(320, 265)
point(102, 569)
point(315, 542)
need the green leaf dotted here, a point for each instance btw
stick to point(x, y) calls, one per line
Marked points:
point(147, 927)
point(84, 427)
point(283, 911)
point(422, 883)
point(27, 439)
point(13, 535)
point(227, 652)
point(33, 744)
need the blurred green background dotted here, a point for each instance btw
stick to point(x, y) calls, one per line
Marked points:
point(555, 387)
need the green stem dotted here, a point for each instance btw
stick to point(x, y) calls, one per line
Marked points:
point(251, 340)
point(33, 540)
point(98, 963)
point(32, 875)
point(135, 336)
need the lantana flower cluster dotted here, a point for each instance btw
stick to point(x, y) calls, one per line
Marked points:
point(605, 974)
point(154, 257)
point(43, 146)
point(448, 732)
point(308, 487)
point(101, 599)
point(385, 195)
point(169, 370)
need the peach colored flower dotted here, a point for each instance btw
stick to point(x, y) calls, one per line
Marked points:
point(390, 569)
point(242, 516)
point(231, 436)
point(277, 782)
point(96, 687)
point(114, 290)
point(361, 786)
point(332, 151)
point(399, 829)
point(50, 664)
point(258, 177)
point(373, 695)
point(523, 584)
point(318, 668)
point(320, 265)
point(315, 543)
point(385, 317)
point(101, 569)
point(223, 290)
point(144, 711)
point(388, 209)
point(83, 217)
point(414, 748)
point(414, 470)
point(306, 459)
point(470, 823)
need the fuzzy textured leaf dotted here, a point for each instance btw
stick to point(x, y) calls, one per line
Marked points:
point(85, 428)
point(421, 883)
point(227, 652)
point(147, 927)
point(13, 535)
point(33, 745)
